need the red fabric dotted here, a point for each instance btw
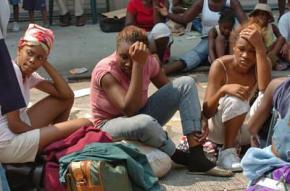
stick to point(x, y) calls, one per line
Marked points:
point(143, 15)
point(73, 143)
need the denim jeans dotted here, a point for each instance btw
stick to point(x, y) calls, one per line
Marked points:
point(196, 25)
point(146, 125)
point(196, 56)
point(3, 181)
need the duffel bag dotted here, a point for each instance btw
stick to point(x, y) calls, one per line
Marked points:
point(89, 175)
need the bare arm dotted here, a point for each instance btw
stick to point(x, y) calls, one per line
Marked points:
point(58, 87)
point(236, 6)
point(188, 15)
point(262, 64)
point(214, 89)
point(130, 19)
point(15, 124)
point(220, 46)
point(157, 17)
point(129, 102)
point(211, 44)
point(161, 79)
point(263, 111)
point(263, 69)
point(280, 41)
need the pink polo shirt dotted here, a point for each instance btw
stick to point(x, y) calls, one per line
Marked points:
point(102, 108)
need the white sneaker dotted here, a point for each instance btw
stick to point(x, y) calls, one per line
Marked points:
point(228, 159)
point(15, 27)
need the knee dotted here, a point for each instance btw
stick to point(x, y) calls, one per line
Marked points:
point(234, 103)
point(232, 107)
point(186, 83)
point(149, 125)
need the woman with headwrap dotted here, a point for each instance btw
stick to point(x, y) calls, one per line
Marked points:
point(26, 131)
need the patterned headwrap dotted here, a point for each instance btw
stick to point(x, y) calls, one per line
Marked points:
point(37, 35)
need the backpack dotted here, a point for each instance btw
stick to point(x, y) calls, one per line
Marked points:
point(89, 175)
point(112, 24)
point(278, 179)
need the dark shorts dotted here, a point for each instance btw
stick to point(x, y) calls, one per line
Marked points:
point(14, 2)
point(31, 5)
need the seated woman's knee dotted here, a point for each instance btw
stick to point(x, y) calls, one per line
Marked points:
point(185, 81)
point(148, 124)
point(232, 105)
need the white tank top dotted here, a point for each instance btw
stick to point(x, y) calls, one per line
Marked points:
point(210, 18)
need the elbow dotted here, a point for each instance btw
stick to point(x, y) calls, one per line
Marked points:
point(129, 112)
point(185, 21)
point(282, 39)
point(69, 95)
point(12, 125)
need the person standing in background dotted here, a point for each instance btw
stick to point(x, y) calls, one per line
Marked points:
point(65, 17)
point(15, 5)
point(4, 17)
point(281, 5)
point(36, 5)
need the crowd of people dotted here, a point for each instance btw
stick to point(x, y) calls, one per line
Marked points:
point(40, 5)
point(242, 51)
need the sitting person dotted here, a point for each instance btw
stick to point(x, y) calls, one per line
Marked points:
point(276, 96)
point(259, 161)
point(142, 13)
point(180, 6)
point(121, 82)
point(284, 28)
point(232, 82)
point(218, 36)
point(273, 40)
point(26, 131)
point(210, 13)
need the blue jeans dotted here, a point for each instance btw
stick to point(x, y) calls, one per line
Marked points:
point(3, 181)
point(196, 25)
point(196, 56)
point(146, 126)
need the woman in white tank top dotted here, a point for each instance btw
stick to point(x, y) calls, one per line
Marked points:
point(209, 10)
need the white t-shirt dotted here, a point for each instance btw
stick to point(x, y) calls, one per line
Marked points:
point(25, 86)
point(284, 26)
point(210, 18)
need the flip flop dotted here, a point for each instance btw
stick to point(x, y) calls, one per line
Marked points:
point(215, 171)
